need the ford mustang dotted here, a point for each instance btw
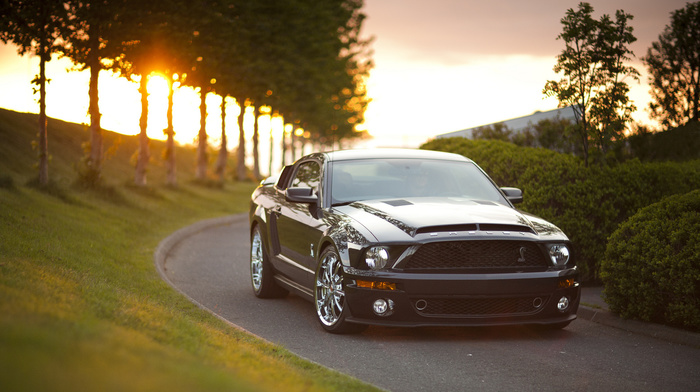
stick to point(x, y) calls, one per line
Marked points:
point(407, 238)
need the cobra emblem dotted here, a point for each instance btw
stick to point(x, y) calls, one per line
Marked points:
point(522, 254)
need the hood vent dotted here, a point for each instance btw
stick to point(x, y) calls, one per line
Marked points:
point(398, 203)
point(475, 227)
point(513, 228)
point(446, 228)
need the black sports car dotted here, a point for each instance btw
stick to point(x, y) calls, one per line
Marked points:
point(407, 238)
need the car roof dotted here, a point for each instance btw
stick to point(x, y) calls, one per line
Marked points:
point(392, 153)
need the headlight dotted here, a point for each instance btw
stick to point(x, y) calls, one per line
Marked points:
point(377, 257)
point(559, 254)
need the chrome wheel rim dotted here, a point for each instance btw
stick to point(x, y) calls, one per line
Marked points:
point(330, 297)
point(256, 260)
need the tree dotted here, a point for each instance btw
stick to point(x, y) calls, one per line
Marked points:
point(151, 36)
point(674, 68)
point(171, 169)
point(612, 108)
point(211, 25)
point(36, 27)
point(594, 70)
point(222, 159)
point(91, 44)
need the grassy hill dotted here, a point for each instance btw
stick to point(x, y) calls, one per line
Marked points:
point(18, 133)
point(81, 304)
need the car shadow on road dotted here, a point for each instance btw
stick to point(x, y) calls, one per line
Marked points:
point(497, 333)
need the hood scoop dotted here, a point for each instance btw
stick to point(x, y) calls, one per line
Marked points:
point(398, 203)
point(446, 228)
point(476, 227)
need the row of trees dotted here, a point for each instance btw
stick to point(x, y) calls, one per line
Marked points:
point(595, 74)
point(303, 58)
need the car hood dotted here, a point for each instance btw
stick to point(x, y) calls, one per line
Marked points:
point(393, 220)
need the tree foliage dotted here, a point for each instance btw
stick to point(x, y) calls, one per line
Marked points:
point(302, 57)
point(594, 72)
point(674, 68)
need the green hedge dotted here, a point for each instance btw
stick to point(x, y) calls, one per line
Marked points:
point(651, 267)
point(587, 203)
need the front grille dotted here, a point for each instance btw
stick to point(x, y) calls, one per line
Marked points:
point(477, 256)
point(479, 307)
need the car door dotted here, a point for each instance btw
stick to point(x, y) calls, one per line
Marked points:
point(298, 227)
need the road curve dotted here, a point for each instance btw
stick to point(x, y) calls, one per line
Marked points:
point(208, 262)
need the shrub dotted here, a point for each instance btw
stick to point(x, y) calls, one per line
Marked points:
point(651, 268)
point(590, 203)
point(504, 162)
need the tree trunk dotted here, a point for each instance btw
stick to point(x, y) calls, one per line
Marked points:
point(43, 137)
point(256, 136)
point(202, 159)
point(96, 151)
point(284, 146)
point(271, 149)
point(144, 153)
point(223, 151)
point(292, 147)
point(240, 161)
point(171, 173)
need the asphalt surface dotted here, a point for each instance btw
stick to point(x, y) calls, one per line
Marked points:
point(208, 263)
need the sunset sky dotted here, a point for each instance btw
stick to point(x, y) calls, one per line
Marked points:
point(440, 66)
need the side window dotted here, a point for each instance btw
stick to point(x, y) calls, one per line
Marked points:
point(308, 175)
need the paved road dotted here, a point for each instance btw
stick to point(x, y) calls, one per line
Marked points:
point(210, 265)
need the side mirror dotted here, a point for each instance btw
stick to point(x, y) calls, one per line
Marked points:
point(514, 195)
point(300, 195)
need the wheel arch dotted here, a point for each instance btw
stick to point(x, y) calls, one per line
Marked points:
point(340, 247)
point(260, 224)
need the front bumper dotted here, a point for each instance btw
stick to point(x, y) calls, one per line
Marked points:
point(464, 299)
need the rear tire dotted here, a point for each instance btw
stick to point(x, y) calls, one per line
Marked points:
point(261, 272)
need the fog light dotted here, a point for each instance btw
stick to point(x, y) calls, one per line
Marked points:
point(383, 307)
point(563, 304)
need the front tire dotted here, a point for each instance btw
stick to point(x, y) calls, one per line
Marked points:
point(329, 295)
point(261, 273)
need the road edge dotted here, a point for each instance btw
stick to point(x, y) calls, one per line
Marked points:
point(166, 245)
point(658, 331)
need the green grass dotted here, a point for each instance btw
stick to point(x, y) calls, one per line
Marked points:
point(81, 304)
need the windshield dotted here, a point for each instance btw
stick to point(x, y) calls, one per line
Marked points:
point(407, 178)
